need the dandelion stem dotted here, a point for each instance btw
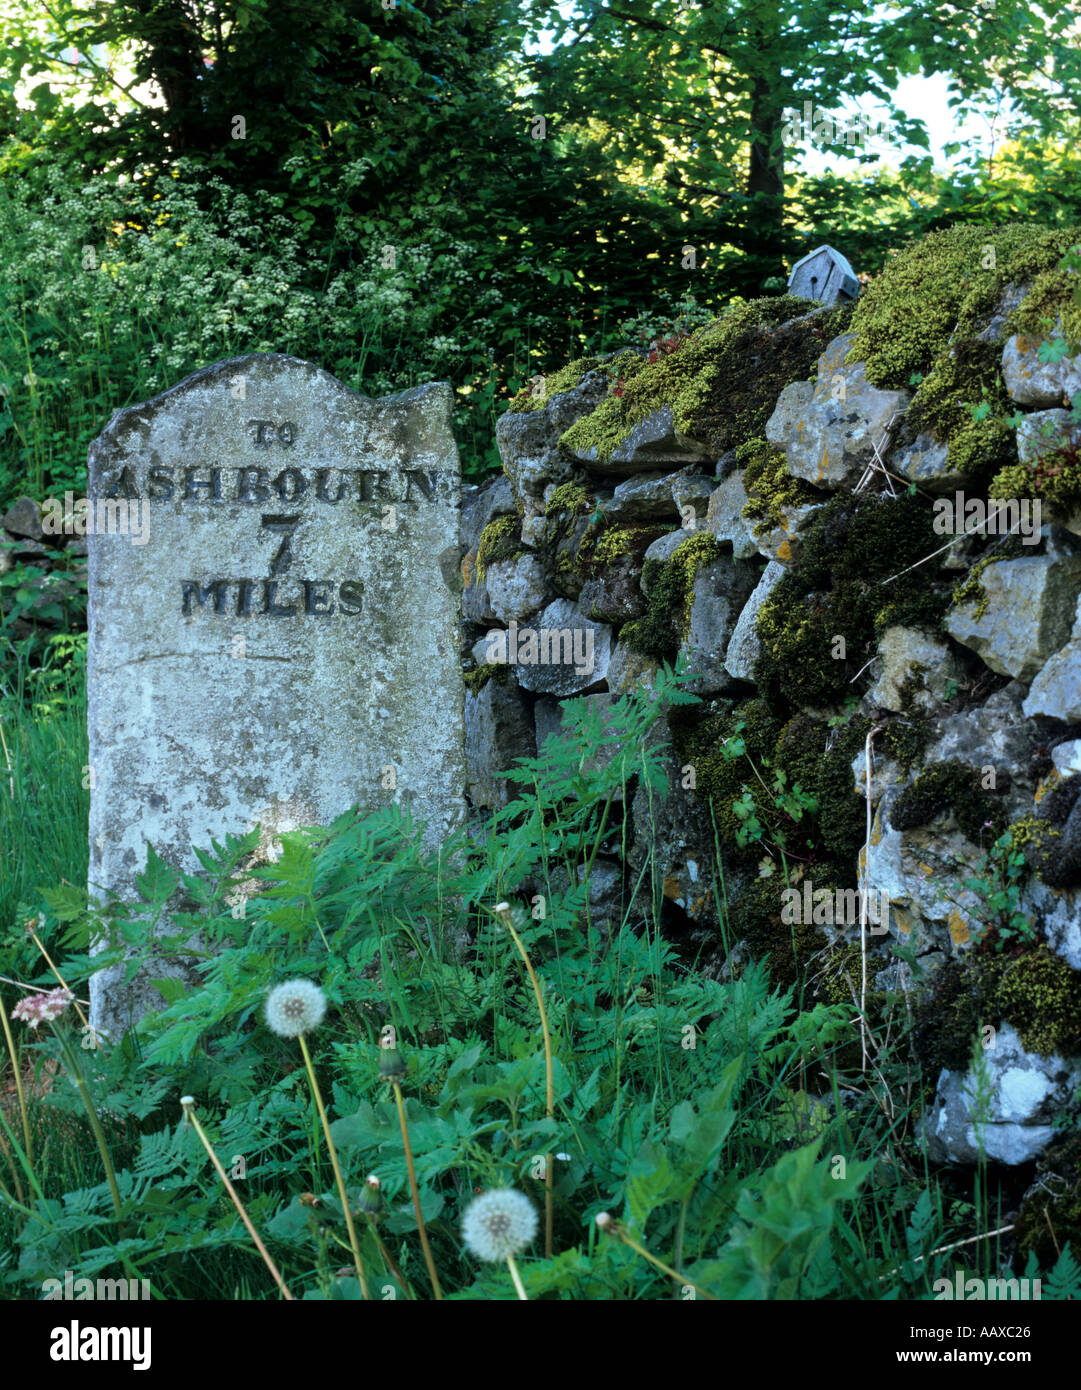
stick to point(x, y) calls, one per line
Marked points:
point(354, 1243)
point(615, 1229)
point(190, 1114)
point(517, 1279)
point(18, 1083)
point(415, 1193)
point(502, 911)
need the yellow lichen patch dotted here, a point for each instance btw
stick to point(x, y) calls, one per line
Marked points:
point(784, 551)
point(1048, 784)
point(904, 919)
point(671, 888)
point(959, 932)
point(469, 566)
point(876, 830)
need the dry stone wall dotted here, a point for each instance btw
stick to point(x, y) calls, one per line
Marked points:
point(827, 582)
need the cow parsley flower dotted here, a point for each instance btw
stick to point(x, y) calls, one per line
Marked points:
point(295, 1007)
point(498, 1224)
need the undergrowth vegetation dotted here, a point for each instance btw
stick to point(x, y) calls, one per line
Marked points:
point(481, 1032)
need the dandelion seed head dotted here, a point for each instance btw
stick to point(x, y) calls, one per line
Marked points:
point(295, 1007)
point(498, 1224)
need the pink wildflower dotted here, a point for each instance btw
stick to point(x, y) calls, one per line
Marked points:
point(42, 1008)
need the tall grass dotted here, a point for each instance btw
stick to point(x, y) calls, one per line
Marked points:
point(44, 796)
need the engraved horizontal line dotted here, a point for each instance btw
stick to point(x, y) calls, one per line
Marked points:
point(165, 656)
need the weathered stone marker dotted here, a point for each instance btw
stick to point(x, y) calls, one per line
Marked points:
point(273, 636)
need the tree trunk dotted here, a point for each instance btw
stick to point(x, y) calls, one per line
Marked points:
point(765, 174)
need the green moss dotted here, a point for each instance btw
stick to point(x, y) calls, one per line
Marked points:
point(1050, 298)
point(945, 786)
point(971, 590)
point(501, 539)
point(1054, 477)
point(566, 379)
point(852, 543)
point(906, 740)
point(1039, 841)
point(659, 632)
point(945, 283)
point(785, 947)
point(1040, 994)
point(950, 1014)
point(967, 374)
point(569, 497)
point(769, 486)
point(616, 541)
point(475, 681)
point(722, 384)
point(820, 760)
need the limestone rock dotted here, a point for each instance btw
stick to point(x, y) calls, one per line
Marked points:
point(481, 505)
point(724, 518)
point(528, 441)
point(662, 549)
point(23, 518)
point(907, 655)
point(1056, 690)
point(614, 593)
point(629, 669)
point(690, 489)
point(745, 647)
point(1032, 382)
point(996, 734)
point(653, 443)
point(828, 429)
point(784, 542)
point(1028, 1092)
point(719, 593)
point(516, 587)
point(672, 850)
point(568, 655)
point(498, 730)
point(925, 462)
point(644, 496)
point(1028, 607)
point(1042, 432)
